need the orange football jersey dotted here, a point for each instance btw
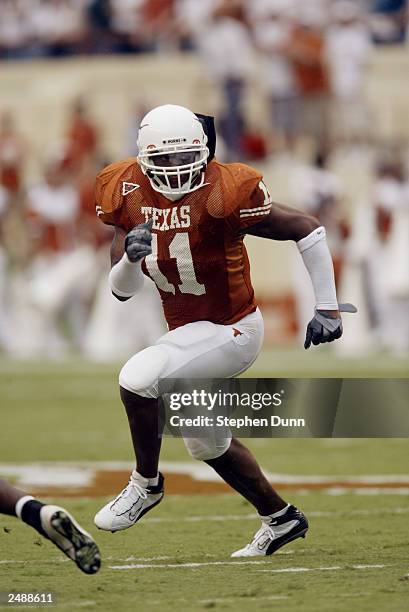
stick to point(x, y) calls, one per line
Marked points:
point(199, 262)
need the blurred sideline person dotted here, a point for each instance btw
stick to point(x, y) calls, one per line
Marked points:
point(272, 32)
point(180, 218)
point(12, 148)
point(4, 323)
point(386, 257)
point(53, 523)
point(348, 46)
point(226, 50)
point(62, 264)
point(82, 136)
point(192, 19)
point(13, 152)
point(306, 49)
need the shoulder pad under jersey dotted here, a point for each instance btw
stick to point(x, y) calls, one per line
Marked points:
point(109, 191)
point(239, 181)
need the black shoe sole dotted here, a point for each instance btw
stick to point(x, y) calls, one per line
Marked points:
point(276, 544)
point(87, 555)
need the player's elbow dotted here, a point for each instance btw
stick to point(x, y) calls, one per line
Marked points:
point(304, 225)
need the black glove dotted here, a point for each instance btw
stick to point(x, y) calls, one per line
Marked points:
point(138, 241)
point(323, 329)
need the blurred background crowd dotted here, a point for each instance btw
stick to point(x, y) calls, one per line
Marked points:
point(312, 61)
point(55, 28)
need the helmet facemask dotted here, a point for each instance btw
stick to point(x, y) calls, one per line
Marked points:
point(175, 170)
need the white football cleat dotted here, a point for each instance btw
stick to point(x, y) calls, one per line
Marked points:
point(129, 506)
point(64, 531)
point(274, 533)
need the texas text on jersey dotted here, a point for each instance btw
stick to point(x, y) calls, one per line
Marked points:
point(199, 262)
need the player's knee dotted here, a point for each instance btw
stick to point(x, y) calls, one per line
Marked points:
point(141, 373)
point(204, 450)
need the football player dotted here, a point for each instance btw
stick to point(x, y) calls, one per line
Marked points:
point(53, 523)
point(180, 218)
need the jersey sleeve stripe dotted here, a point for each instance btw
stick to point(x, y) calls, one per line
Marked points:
point(254, 214)
point(264, 209)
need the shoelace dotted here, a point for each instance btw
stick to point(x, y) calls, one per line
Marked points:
point(264, 531)
point(141, 491)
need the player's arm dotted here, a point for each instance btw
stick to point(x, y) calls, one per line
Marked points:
point(127, 252)
point(285, 223)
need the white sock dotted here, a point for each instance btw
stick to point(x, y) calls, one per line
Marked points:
point(153, 482)
point(276, 514)
point(280, 512)
point(19, 505)
point(145, 482)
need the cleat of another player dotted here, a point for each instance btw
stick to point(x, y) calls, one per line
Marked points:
point(129, 506)
point(275, 533)
point(64, 531)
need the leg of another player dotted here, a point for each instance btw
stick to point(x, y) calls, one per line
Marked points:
point(53, 523)
point(9, 497)
point(239, 468)
point(143, 418)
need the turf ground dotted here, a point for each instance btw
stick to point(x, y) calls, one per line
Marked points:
point(177, 558)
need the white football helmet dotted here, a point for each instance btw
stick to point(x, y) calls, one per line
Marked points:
point(172, 150)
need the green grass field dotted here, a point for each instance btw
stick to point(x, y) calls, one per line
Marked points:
point(342, 539)
point(178, 557)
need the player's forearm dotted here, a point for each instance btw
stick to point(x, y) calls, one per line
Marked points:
point(126, 278)
point(117, 245)
point(318, 261)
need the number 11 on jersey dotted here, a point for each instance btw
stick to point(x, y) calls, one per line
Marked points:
point(179, 249)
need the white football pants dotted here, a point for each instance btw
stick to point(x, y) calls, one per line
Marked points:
point(197, 350)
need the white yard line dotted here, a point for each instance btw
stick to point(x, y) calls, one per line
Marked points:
point(298, 570)
point(322, 569)
point(135, 566)
point(368, 566)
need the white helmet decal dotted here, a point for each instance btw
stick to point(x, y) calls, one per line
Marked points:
point(172, 150)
